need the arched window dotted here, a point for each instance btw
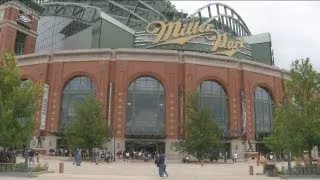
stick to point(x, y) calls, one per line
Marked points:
point(213, 96)
point(77, 90)
point(263, 106)
point(146, 108)
point(26, 82)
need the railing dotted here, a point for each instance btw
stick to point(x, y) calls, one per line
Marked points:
point(14, 168)
point(313, 170)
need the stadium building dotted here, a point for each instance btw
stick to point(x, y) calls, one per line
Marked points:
point(141, 57)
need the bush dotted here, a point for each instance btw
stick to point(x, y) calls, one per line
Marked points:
point(40, 167)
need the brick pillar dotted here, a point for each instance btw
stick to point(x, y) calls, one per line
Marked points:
point(30, 44)
point(8, 38)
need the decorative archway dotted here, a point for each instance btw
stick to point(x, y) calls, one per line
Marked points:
point(214, 97)
point(76, 90)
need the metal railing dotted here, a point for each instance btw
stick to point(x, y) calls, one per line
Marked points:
point(14, 168)
point(311, 170)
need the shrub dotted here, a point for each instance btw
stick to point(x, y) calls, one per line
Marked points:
point(40, 167)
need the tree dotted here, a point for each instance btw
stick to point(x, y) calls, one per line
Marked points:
point(202, 133)
point(89, 128)
point(18, 105)
point(297, 119)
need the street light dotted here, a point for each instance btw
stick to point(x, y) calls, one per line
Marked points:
point(287, 136)
point(114, 143)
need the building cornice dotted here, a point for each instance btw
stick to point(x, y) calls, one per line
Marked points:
point(152, 55)
point(14, 25)
point(17, 5)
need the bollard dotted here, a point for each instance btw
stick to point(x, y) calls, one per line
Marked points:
point(250, 170)
point(61, 167)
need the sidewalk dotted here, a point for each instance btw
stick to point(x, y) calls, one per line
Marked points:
point(123, 170)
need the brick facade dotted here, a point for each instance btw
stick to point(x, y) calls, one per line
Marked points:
point(173, 69)
point(9, 27)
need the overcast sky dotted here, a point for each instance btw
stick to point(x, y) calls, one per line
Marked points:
point(293, 26)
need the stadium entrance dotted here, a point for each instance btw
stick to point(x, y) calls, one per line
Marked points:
point(146, 114)
point(150, 146)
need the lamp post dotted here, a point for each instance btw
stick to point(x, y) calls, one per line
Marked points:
point(225, 133)
point(114, 143)
point(287, 137)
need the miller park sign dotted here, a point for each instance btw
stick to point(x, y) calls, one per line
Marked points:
point(191, 36)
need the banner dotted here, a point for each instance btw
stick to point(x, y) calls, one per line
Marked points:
point(244, 113)
point(44, 107)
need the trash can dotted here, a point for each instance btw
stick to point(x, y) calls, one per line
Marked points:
point(270, 170)
point(61, 167)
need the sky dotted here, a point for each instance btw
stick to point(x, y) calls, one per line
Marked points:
point(293, 26)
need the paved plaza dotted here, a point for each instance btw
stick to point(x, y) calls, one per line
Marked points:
point(136, 170)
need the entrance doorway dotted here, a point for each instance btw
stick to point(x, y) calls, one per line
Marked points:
point(151, 147)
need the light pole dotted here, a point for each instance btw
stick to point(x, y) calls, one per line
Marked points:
point(114, 143)
point(225, 134)
point(287, 137)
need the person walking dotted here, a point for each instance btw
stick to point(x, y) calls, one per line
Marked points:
point(161, 164)
point(78, 157)
point(165, 166)
point(31, 156)
point(96, 156)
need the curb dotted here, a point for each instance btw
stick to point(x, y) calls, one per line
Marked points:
point(42, 172)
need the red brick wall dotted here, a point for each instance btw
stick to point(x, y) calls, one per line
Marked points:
point(122, 73)
point(8, 33)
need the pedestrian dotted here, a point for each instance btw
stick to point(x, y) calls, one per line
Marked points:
point(165, 166)
point(96, 156)
point(31, 156)
point(78, 157)
point(75, 157)
point(161, 164)
point(235, 157)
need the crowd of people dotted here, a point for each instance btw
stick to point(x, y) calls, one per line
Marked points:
point(135, 155)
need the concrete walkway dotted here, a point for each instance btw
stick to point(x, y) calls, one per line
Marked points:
point(136, 170)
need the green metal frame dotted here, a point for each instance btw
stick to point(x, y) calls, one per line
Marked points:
point(229, 20)
point(135, 14)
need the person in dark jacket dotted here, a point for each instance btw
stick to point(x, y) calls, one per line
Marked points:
point(161, 164)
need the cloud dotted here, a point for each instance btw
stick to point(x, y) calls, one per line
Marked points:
point(293, 26)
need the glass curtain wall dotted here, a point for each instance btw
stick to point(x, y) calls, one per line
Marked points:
point(213, 96)
point(263, 105)
point(146, 108)
point(77, 90)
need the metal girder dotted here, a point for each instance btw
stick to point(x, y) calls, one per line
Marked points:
point(242, 32)
point(234, 16)
point(152, 9)
point(138, 13)
point(76, 11)
point(128, 10)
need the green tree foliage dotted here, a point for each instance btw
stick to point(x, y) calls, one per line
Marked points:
point(89, 128)
point(18, 104)
point(297, 120)
point(202, 135)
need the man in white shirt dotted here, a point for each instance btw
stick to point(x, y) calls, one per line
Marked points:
point(235, 157)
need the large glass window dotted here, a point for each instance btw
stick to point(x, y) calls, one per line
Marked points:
point(146, 108)
point(213, 96)
point(263, 106)
point(77, 90)
point(19, 44)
